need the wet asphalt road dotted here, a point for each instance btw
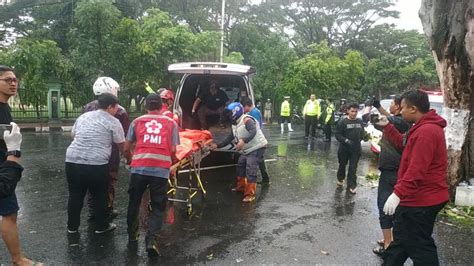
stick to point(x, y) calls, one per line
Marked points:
point(299, 219)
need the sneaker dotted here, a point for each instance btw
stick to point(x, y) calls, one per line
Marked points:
point(352, 190)
point(109, 228)
point(339, 183)
point(152, 248)
point(72, 231)
point(248, 199)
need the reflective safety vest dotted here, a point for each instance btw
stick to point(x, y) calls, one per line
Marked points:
point(153, 134)
point(285, 108)
point(312, 108)
point(239, 131)
point(329, 112)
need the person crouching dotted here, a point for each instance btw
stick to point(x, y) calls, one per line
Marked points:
point(251, 143)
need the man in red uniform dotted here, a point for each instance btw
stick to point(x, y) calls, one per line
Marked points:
point(421, 189)
point(155, 137)
point(167, 97)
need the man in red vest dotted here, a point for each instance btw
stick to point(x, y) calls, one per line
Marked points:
point(155, 137)
point(167, 97)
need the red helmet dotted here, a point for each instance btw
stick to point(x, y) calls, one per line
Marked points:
point(167, 95)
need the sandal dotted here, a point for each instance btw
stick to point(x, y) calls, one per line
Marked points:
point(380, 242)
point(379, 251)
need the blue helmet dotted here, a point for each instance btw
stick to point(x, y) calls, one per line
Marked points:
point(236, 109)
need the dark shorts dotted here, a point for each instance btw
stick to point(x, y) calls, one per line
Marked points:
point(9, 205)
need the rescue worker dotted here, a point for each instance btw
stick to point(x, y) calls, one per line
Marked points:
point(251, 143)
point(167, 97)
point(311, 112)
point(285, 114)
point(155, 137)
point(255, 113)
point(109, 85)
point(328, 120)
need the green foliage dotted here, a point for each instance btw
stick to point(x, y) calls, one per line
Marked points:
point(234, 58)
point(459, 215)
point(324, 73)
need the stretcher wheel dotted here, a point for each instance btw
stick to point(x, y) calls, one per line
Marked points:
point(189, 209)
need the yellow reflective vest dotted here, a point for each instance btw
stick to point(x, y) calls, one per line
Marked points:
point(329, 111)
point(285, 108)
point(312, 108)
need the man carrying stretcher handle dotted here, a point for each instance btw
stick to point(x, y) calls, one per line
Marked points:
point(155, 137)
point(251, 143)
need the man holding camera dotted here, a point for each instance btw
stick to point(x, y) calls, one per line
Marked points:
point(389, 161)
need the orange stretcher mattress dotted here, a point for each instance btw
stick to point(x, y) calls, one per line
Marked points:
point(191, 141)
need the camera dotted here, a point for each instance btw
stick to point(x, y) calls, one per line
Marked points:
point(374, 118)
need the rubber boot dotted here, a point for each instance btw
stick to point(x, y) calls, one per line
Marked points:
point(289, 127)
point(241, 184)
point(250, 192)
point(282, 128)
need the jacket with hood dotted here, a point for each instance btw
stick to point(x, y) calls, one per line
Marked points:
point(422, 173)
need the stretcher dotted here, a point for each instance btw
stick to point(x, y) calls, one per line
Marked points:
point(195, 146)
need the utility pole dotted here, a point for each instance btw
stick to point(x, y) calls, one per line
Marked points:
point(222, 31)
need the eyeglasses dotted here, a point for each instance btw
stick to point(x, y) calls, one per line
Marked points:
point(10, 80)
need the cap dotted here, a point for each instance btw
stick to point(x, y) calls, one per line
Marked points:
point(152, 98)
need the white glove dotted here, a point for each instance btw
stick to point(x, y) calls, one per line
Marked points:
point(13, 138)
point(391, 204)
point(383, 121)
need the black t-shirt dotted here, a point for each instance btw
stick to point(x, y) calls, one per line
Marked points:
point(213, 102)
point(352, 130)
point(5, 118)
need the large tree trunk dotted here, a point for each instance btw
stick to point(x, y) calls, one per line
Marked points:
point(449, 26)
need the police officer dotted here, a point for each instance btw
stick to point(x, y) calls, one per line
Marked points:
point(251, 143)
point(285, 114)
point(311, 112)
point(328, 120)
point(155, 137)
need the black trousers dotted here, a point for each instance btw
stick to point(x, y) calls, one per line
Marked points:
point(82, 178)
point(387, 181)
point(158, 187)
point(347, 155)
point(412, 230)
point(310, 121)
point(263, 171)
point(327, 131)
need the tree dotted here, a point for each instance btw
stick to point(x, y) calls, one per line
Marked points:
point(36, 63)
point(449, 26)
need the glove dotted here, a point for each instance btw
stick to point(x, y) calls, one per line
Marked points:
point(391, 204)
point(348, 141)
point(383, 121)
point(13, 138)
point(376, 104)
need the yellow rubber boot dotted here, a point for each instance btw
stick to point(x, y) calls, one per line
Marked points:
point(241, 183)
point(250, 192)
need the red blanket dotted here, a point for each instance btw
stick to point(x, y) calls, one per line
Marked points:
point(191, 140)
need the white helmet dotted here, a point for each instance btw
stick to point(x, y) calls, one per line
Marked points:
point(105, 85)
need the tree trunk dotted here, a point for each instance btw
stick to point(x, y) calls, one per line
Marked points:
point(449, 26)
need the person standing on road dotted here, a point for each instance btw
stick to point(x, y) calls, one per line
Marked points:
point(311, 112)
point(255, 113)
point(285, 114)
point(421, 190)
point(389, 162)
point(109, 85)
point(155, 137)
point(10, 152)
point(251, 143)
point(328, 120)
point(349, 133)
point(87, 161)
point(268, 112)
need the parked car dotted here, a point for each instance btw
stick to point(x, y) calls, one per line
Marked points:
point(233, 79)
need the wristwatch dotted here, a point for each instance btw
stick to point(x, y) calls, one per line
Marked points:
point(16, 153)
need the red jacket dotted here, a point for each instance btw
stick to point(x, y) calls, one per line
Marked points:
point(153, 141)
point(422, 173)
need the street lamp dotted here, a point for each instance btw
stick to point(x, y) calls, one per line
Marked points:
point(222, 31)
